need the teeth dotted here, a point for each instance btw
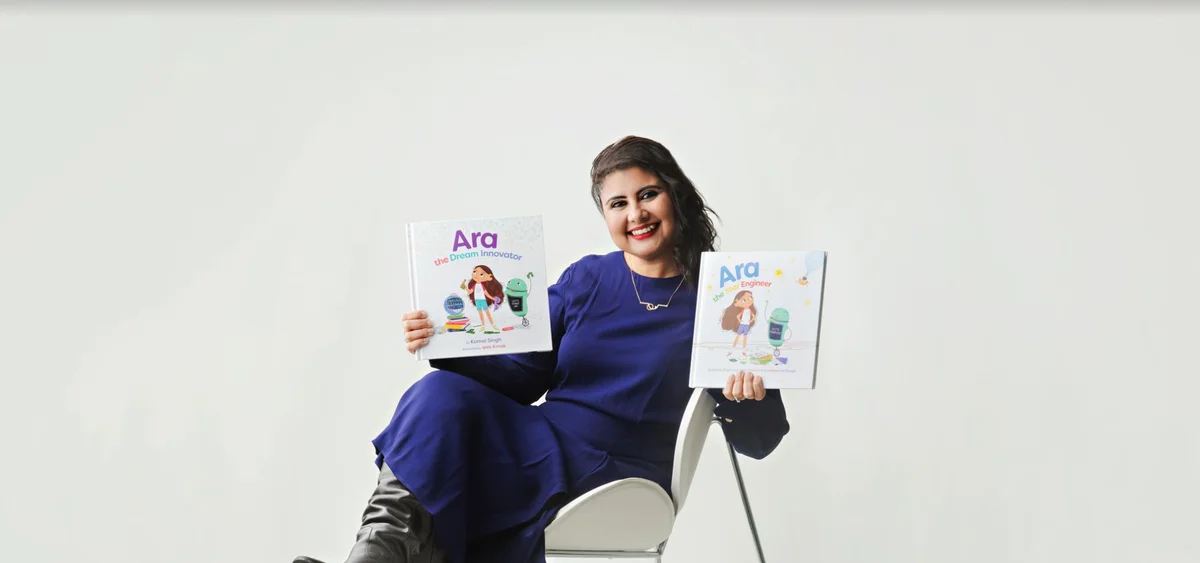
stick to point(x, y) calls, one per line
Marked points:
point(644, 230)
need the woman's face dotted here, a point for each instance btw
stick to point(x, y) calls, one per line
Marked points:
point(745, 301)
point(639, 214)
point(479, 275)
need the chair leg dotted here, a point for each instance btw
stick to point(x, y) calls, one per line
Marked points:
point(737, 473)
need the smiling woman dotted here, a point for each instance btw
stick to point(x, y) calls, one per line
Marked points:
point(653, 211)
point(471, 470)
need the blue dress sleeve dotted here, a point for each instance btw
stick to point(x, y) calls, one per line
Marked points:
point(522, 377)
point(754, 428)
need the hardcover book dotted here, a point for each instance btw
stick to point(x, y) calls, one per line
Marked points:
point(483, 284)
point(758, 312)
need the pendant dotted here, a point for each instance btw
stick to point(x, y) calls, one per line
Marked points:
point(651, 306)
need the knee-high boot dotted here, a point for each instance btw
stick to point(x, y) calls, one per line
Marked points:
point(395, 528)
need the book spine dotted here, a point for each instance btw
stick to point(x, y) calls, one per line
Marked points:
point(693, 371)
point(412, 278)
point(820, 317)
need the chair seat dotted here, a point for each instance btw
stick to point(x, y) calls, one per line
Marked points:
point(626, 515)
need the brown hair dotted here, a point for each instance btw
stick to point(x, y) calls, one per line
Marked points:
point(493, 287)
point(696, 233)
point(729, 319)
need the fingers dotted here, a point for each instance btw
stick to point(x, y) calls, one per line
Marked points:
point(417, 324)
point(416, 339)
point(745, 385)
point(735, 387)
point(415, 345)
point(417, 330)
point(416, 320)
point(411, 335)
point(760, 390)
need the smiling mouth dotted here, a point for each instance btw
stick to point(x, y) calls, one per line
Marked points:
point(643, 232)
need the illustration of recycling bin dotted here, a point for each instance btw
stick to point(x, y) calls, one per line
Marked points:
point(517, 291)
point(777, 328)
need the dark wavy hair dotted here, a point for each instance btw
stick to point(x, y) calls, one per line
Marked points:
point(695, 232)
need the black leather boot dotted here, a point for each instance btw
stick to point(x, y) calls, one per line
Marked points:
point(395, 528)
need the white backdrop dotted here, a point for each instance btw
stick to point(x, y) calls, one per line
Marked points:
point(203, 264)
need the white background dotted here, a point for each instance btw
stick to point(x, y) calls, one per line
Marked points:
point(202, 238)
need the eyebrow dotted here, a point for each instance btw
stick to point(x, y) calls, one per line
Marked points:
point(640, 190)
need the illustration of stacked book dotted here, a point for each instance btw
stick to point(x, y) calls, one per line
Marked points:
point(457, 322)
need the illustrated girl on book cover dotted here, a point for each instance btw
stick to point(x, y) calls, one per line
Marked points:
point(740, 316)
point(485, 291)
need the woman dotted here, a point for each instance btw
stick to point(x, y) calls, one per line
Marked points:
point(471, 471)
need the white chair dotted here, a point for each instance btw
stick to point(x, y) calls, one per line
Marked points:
point(633, 518)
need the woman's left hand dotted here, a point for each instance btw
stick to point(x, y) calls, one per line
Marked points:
point(745, 385)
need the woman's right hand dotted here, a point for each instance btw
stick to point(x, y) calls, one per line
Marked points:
point(417, 330)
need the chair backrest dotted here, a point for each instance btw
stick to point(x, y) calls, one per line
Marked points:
point(693, 432)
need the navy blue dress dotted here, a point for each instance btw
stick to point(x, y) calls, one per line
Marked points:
point(493, 469)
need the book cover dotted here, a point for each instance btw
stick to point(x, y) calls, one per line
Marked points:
point(759, 312)
point(483, 284)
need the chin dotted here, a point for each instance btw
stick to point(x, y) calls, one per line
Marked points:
point(649, 252)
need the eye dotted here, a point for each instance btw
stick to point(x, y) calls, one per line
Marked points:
point(649, 194)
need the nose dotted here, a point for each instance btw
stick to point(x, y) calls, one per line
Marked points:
point(635, 213)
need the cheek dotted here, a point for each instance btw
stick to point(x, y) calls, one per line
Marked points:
point(616, 223)
point(664, 210)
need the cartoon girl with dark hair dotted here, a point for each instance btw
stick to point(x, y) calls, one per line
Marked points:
point(485, 291)
point(740, 316)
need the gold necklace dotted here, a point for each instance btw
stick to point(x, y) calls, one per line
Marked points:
point(653, 306)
